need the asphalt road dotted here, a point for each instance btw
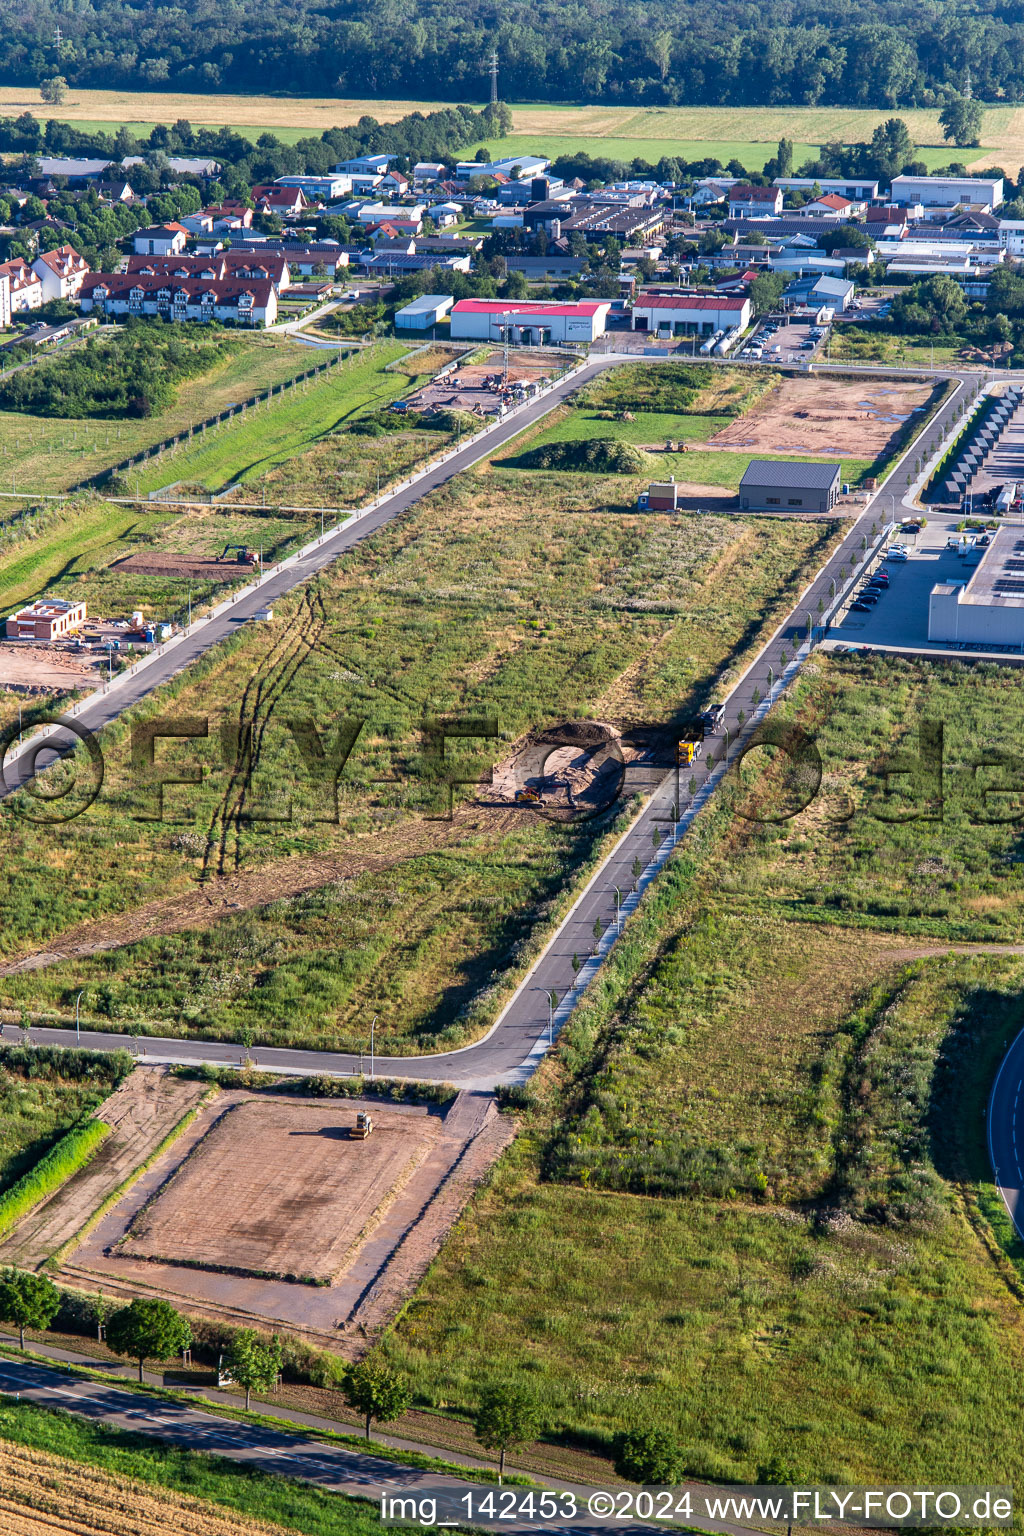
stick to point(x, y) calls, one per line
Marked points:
point(338, 1469)
point(1006, 1132)
point(511, 1049)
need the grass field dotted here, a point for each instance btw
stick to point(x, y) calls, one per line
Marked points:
point(529, 600)
point(865, 343)
point(754, 1192)
point(45, 455)
point(294, 451)
point(81, 1472)
point(748, 134)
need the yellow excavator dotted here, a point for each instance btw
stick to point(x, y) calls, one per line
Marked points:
point(527, 797)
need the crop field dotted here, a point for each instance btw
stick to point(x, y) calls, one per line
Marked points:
point(724, 133)
point(280, 1190)
point(513, 596)
point(800, 1108)
point(64, 1474)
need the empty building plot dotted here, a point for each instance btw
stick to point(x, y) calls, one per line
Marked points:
point(280, 1190)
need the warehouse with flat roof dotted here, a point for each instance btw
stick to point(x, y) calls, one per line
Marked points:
point(987, 608)
point(423, 312)
point(789, 485)
point(529, 323)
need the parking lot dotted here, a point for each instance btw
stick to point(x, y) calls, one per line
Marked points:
point(900, 617)
point(785, 340)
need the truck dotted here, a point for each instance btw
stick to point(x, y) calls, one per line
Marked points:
point(690, 745)
point(1006, 498)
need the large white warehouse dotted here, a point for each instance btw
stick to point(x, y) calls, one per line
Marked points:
point(681, 313)
point(530, 323)
point(989, 607)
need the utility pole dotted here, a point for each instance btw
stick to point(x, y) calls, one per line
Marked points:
point(58, 39)
point(494, 77)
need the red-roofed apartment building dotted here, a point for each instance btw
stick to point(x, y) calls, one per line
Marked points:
point(61, 272)
point(233, 301)
point(26, 285)
point(683, 313)
point(256, 265)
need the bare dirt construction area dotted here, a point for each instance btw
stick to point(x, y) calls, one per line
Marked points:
point(822, 415)
point(470, 388)
point(281, 1189)
point(142, 1112)
point(197, 567)
point(42, 666)
point(44, 1495)
point(265, 1185)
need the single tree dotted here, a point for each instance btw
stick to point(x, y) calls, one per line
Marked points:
point(27, 1301)
point(647, 1456)
point(375, 1389)
point(961, 120)
point(508, 1418)
point(254, 1363)
point(637, 868)
point(148, 1328)
point(54, 90)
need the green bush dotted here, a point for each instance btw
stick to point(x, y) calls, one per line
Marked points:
point(72, 1152)
point(599, 455)
point(647, 1456)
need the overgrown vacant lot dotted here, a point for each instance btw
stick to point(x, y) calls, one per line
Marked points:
point(64, 1473)
point(525, 602)
point(755, 1194)
point(40, 1099)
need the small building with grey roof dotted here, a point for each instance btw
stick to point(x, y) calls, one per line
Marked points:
point(789, 485)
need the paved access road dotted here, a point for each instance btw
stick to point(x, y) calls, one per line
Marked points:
point(336, 1468)
point(509, 1052)
point(1006, 1131)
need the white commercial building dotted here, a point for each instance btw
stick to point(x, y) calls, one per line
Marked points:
point(859, 189)
point(322, 188)
point(424, 312)
point(947, 191)
point(987, 608)
point(681, 313)
point(529, 166)
point(529, 322)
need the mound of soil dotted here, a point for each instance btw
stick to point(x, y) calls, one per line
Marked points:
point(598, 455)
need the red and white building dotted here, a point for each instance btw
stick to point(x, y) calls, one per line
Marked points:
point(230, 215)
point(231, 301)
point(26, 288)
point(685, 314)
point(529, 322)
point(47, 619)
point(61, 272)
point(831, 206)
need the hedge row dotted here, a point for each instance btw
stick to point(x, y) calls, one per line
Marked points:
point(69, 1154)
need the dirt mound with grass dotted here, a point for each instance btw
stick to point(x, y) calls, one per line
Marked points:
point(599, 456)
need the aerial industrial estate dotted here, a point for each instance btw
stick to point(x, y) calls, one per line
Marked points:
point(513, 923)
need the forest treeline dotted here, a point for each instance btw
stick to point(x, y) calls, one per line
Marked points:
point(658, 52)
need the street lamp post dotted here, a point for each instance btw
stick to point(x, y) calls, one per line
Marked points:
point(618, 910)
point(78, 1027)
point(373, 1026)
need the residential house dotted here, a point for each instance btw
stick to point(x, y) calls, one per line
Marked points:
point(61, 272)
point(47, 619)
point(231, 215)
point(25, 285)
point(160, 240)
point(116, 191)
point(830, 205)
point(394, 182)
point(755, 202)
point(287, 201)
point(232, 301)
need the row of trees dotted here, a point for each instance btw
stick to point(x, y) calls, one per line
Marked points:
point(508, 1417)
point(667, 51)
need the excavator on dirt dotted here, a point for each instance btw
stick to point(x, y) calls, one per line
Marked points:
point(527, 797)
point(243, 554)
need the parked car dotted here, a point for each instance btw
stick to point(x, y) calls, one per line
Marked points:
point(897, 553)
point(867, 597)
point(877, 585)
point(859, 607)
